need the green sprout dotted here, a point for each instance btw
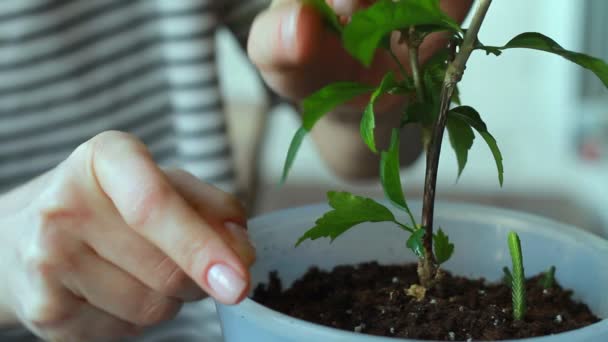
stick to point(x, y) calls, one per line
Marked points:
point(548, 279)
point(432, 89)
point(518, 284)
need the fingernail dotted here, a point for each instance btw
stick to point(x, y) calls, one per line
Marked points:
point(345, 7)
point(289, 26)
point(226, 283)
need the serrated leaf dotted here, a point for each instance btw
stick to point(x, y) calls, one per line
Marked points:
point(348, 211)
point(415, 242)
point(472, 117)
point(518, 287)
point(367, 28)
point(294, 146)
point(315, 107)
point(442, 246)
point(323, 101)
point(461, 139)
point(368, 121)
point(326, 12)
point(390, 175)
point(538, 41)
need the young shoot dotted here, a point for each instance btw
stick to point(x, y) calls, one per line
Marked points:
point(548, 279)
point(518, 283)
point(430, 93)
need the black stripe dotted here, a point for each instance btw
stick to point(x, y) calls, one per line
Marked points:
point(92, 13)
point(41, 108)
point(128, 126)
point(45, 6)
point(86, 118)
point(99, 36)
point(216, 105)
point(204, 131)
point(198, 84)
point(223, 152)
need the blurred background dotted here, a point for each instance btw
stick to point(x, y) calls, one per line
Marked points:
point(550, 119)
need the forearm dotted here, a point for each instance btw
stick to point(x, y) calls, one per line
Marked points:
point(340, 145)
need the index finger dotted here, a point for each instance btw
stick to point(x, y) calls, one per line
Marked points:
point(148, 203)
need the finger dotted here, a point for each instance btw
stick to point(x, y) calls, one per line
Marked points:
point(114, 291)
point(60, 316)
point(115, 242)
point(223, 211)
point(297, 54)
point(92, 324)
point(145, 199)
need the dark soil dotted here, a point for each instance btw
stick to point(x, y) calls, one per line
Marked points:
point(371, 299)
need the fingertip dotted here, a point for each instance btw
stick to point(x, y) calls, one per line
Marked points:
point(285, 36)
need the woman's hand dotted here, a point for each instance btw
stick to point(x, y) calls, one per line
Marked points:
point(107, 243)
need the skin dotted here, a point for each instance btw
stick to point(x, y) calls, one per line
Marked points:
point(107, 243)
point(297, 54)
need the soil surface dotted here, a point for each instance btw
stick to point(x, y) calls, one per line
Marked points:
point(372, 299)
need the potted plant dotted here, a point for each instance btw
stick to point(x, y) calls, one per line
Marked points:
point(422, 301)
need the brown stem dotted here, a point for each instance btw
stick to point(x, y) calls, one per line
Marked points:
point(413, 43)
point(427, 269)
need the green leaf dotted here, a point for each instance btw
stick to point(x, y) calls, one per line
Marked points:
point(471, 117)
point(348, 211)
point(368, 122)
point(315, 107)
point(461, 139)
point(518, 286)
point(415, 242)
point(548, 279)
point(442, 247)
point(367, 28)
point(417, 112)
point(323, 101)
point(326, 12)
point(538, 41)
point(296, 142)
point(390, 176)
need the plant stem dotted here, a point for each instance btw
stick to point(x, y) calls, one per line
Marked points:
point(413, 43)
point(427, 269)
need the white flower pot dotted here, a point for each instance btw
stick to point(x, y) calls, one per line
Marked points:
point(480, 235)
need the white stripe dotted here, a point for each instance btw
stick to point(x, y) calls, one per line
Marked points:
point(179, 5)
point(182, 25)
point(195, 97)
point(188, 49)
point(195, 122)
point(181, 74)
point(202, 144)
point(208, 169)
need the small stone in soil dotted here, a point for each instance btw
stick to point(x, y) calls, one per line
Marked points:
point(392, 330)
point(359, 328)
point(558, 319)
point(451, 336)
point(395, 280)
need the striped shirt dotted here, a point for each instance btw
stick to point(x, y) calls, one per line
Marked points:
point(71, 69)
